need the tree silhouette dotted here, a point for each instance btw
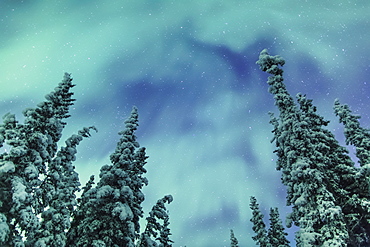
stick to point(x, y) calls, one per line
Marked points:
point(233, 239)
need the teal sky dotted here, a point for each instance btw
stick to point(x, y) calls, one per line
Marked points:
point(189, 67)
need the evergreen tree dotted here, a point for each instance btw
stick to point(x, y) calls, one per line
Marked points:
point(38, 183)
point(24, 169)
point(154, 227)
point(330, 196)
point(112, 209)
point(307, 156)
point(276, 233)
point(59, 189)
point(354, 133)
point(233, 239)
point(259, 226)
point(357, 202)
point(79, 213)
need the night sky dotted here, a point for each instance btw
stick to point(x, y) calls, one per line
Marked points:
point(189, 67)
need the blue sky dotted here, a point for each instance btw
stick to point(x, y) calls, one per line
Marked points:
point(189, 67)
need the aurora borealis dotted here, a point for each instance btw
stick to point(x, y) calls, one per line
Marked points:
point(189, 67)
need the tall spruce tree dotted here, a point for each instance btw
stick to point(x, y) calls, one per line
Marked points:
point(357, 203)
point(157, 226)
point(354, 133)
point(275, 236)
point(111, 210)
point(276, 233)
point(259, 226)
point(38, 183)
point(34, 178)
point(59, 189)
point(308, 156)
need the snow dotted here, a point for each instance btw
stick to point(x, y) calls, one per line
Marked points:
point(7, 166)
point(31, 171)
point(123, 211)
point(104, 191)
point(19, 191)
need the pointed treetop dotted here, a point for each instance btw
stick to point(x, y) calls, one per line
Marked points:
point(233, 239)
point(354, 133)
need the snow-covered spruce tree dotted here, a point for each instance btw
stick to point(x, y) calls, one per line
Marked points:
point(346, 182)
point(33, 174)
point(108, 214)
point(80, 212)
point(354, 133)
point(154, 226)
point(59, 189)
point(275, 236)
point(315, 167)
point(233, 239)
point(357, 206)
point(259, 226)
point(38, 183)
point(276, 233)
